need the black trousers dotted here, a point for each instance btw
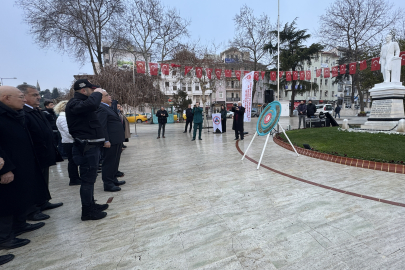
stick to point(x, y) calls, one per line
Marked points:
point(188, 122)
point(223, 124)
point(162, 125)
point(10, 223)
point(239, 132)
point(110, 164)
point(73, 169)
point(88, 165)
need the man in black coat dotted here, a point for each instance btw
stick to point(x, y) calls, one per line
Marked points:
point(88, 134)
point(50, 115)
point(162, 120)
point(42, 138)
point(311, 109)
point(238, 115)
point(114, 135)
point(189, 120)
point(21, 181)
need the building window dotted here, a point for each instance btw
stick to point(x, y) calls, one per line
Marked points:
point(320, 94)
point(189, 88)
point(237, 95)
point(232, 95)
point(302, 93)
point(174, 73)
point(320, 82)
point(232, 84)
point(237, 83)
point(221, 95)
point(326, 93)
point(174, 87)
point(184, 88)
point(315, 80)
point(314, 93)
point(326, 81)
point(166, 84)
point(141, 108)
point(197, 88)
point(228, 83)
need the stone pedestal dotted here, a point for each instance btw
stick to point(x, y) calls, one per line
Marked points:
point(387, 108)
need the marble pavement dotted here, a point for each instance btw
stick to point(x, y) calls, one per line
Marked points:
point(196, 205)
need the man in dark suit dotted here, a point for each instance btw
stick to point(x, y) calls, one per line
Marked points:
point(21, 181)
point(42, 138)
point(162, 120)
point(189, 116)
point(114, 138)
point(238, 115)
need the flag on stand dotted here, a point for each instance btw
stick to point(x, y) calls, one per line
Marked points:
point(228, 73)
point(295, 75)
point(326, 72)
point(153, 67)
point(308, 75)
point(288, 75)
point(263, 72)
point(237, 74)
point(363, 65)
point(140, 66)
point(302, 75)
point(342, 69)
point(273, 75)
point(256, 76)
point(198, 72)
point(165, 69)
point(352, 68)
point(218, 73)
point(335, 71)
point(318, 72)
point(209, 72)
point(375, 64)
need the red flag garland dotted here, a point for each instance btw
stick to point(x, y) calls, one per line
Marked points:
point(245, 72)
point(363, 65)
point(302, 75)
point(237, 74)
point(326, 72)
point(263, 72)
point(288, 76)
point(318, 72)
point(218, 73)
point(308, 75)
point(256, 75)
point(153, 67)
point(280, 74)
point(402, 55)
point(165, 69)
point(187, 70)
point(352, 68)
point(335, 71)
point(140, 66)
point(342, 69)
point(273, 75)
point(375, 64)
point(209, 72)
point(228, 73)
point(175, 66)
point(198, 72)
point(295, 75)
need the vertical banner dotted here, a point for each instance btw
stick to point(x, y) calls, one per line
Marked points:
point(402, 55)
point(363, 65)
point(308, 75)
point(140, 66)
point(216, 122)
point(247, 88)
point(375, 64)
point(352, 68)
point(295, 75)
point(302, 75)
point(335, 71)
point(165, 69)
point(237, 74)
point(342, 69)
point(318, 72)
point(187, 70)
point(273, 75)
point(153, 69)
point(288, 76)
point(228, 73)
point(209, 72)
point(256, 75)
point(198, 72)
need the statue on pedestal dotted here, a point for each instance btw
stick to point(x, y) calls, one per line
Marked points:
point(390, 60)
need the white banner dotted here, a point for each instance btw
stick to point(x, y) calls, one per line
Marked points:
point(247, 88)
point(216, 122)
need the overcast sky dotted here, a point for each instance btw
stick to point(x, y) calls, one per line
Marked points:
point(210, 20)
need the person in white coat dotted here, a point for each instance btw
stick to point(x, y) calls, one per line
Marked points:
point(67, 143)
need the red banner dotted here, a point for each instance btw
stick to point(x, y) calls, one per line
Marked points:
point(288, 76)
point(302, 75)
point(209, 72)
point(375, 64)
point(318, 72)
point(308, 75)
point(140, 66)
point(263, 73)
point(273, 75)
point(228, 73)
point(342, 69)
point(153, 67)
point(198, 72)
point(363, 65)
point(335, 71)
point(237, 74)
point(187, 70)
point(245, 72)
point(295, 75)
point(165, 69)
point(402, 55)
point(218, 73)
point(280, 74)
point(256, 77)
point(175, 66)
point(326, 72)
point(352, 68)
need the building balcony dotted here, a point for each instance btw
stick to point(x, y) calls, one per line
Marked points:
point(232, 99)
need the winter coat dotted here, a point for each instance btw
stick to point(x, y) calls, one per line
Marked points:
point(302, 109)
point(189, 115)
point(28, 187)
point(238, 116)
point(337, 109)
point(197, 112)
point(162, 119)
point(61, 123)
point(223, 115)
point(111, 124)
point(51, 117)
point(311, 109)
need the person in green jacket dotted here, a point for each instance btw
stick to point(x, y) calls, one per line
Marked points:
point(198, 119)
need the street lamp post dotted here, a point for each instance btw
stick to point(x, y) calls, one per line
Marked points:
point(7, 79)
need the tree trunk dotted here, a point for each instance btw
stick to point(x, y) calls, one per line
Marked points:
point(293, 93)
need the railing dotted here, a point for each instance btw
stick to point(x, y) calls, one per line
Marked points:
point(233, 99)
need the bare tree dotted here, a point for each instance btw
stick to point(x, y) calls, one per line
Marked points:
point(78, 27)
point(355, 26)
point(251, 35)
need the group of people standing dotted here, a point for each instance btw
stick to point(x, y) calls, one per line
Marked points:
point(92, 133)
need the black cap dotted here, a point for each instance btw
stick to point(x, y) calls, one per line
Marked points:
point(84, 83)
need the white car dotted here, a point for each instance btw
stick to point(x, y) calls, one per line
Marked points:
point(229, 114)
point(324, 108)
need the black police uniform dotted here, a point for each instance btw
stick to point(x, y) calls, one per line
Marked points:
point(85, 128)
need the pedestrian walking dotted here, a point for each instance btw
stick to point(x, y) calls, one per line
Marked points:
point(311, 109)
point(238, 115)
point(302, 113)
point(198, 120)
point(223, 118)
point(162, 119)
point(189, 120)
point(337, 111)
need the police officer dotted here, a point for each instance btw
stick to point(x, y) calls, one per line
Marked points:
point(88, 135)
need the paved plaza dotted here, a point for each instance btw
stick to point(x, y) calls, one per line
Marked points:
point(196, 205)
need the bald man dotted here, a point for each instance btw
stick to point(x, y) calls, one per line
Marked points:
point(21, 181)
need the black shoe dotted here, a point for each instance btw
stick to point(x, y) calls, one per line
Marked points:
point(189, 131)
point(200, 139)
point(98, 171)
point(112, 189)
point(14, 243)
point(184, 131)
point(75, 183)
point(158, 138)
point(119, 174)
point(6, 258)
point(241, 139)
point(236, 139)
point(124, 146)
point(90, 213)
point(49, 206)
point(193, 139)
point(100, 207)
point(37, 217)
point(28, 228)
point(119, 183)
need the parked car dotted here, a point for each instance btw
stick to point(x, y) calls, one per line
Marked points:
point(254, 113)
point(324, 108)
point(139, 118)
point(229, 114)
point(368, 113)
point(148, 115)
